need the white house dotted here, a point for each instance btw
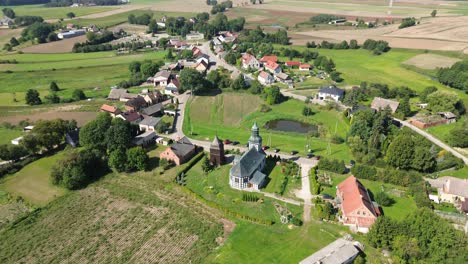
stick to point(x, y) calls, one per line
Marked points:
point(249, 61)
point(265, 78)
point(330, 92)
point(161, 78)
point(16, 141)
point(273, 67)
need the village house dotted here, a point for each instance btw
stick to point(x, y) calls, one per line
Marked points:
point(246, 171)
point(161, 78)
point(282, 77)
point(144, 139)
point(304, 67)
point(121, 95)
point(202, 66)
point(195, 35)
point(265, 78)
point(227, 37)
point(379, 103)
point(152, 97)
point(330, 92)
point(358, 210)
point(249, 61)
point(272, 67)
point(266, 59)
point(149, 123)
point(203, 57)
point(292, 64)
point(132, 117)
point(173, 87)
point(451, 190)
point(152, 110)
point(136, 104)
point(196, 52)
point(179, 152)
point(113, 111)
point(340, 251)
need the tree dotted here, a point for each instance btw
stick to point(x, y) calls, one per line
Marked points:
point(434, 13)
point(400, 153)
point(191, 79)
point(137, 159)
point(206, 165)
point(353, 44)
point(14, 42)
point(93, 134)
point(426, 92)
point(149, 69)
point(458, 136)
point(383, 199)
point(70, 15)
point(404, 107)
point(239, 83)
point(134, 67)
point(118, 160)
point(51, 133)
point(153, 26)
point(52, 37)
point(12, 152)
point(119, 135)
point(231, 58)
point(78, 95)
point(8, 12)
point(52, 98)
point(30, 143)
point(169, 55)
point(442, 101)
point(32, 97)
point(272, 95)
point(54, 87)
point(423, 160)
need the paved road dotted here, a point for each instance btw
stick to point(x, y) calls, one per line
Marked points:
point(433, 140)
point(205, 48)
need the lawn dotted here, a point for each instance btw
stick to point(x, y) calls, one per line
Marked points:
point(460, 173)
point(232, 118)
point(57, 12)
point(33, 182)
point(275, 180)
point(8, 135)
point(443, 131)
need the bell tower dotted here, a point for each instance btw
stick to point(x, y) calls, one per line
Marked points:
point(255, 140)
point(217, 156)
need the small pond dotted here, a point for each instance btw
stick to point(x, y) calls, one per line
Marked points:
point(290, 126)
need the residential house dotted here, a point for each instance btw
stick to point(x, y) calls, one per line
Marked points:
point(282, 77)
point(173, 87)
point(116, 94)
point(196, 52)
point(246, 171)
point(266, 59)
point(178, 45)
point(340, 251)
point(179, 152)
point(203, 57)
point(152, 110)
point(330, 92)
point(265, 78)
point(292, 64)
point(272, 67)
point(249, 61)
point(202, 66)
point(153, 97)
point(136, 104)
point(161, 78)
point(73, 138)
point(149, 123)
point(132, 117)
point(144, 139)
point(195, 35)
point(454, 191)
point(6, 22)
point(379, 103)
point(358, 210)
point(112, 110)
point(304, 67)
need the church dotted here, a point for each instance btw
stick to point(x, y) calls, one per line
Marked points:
point(246, 171)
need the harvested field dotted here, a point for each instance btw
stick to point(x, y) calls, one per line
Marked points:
point(431, 61)
point(80, 117)
point(62, 46)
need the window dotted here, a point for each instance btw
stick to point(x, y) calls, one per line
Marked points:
point(246, 180)
point(236, 180)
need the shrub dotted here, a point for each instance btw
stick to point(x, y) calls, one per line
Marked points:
point(383, 199)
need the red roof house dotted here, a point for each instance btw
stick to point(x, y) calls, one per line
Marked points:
point(269, 58)
point(113, 111)
point(358, 210)
point(249, 61)
point(273, 67)
point(292, 63)
point(304, 67)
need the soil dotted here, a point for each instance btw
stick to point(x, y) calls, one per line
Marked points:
point(61, 46)
point(431, 61)
point(81, 117)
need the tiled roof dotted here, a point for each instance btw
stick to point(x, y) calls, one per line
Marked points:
point(354, 196)
point(272, 65)
point(380, 103)
point(331, 90)
point(110, 109)
point(293, 63)
point(264, 75)
point(269, 58)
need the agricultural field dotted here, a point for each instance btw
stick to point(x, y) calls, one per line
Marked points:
point(431, 61)
point(62, 46)
point(58, 12)
point(121, 219)
point(232, 115)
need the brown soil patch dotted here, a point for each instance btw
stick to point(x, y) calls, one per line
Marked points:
point(121, 9)
point(61, 46)
point(80, 117)
point(431, 61)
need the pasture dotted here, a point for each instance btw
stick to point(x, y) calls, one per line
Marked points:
point(232, 119)
point(431, 61)
point(9, 134)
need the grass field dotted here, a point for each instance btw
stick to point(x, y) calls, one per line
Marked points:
point(57, 12)
point(461, 173)
point(33, 183)
point(232, 115)
point(8, 135)
point(442, 132)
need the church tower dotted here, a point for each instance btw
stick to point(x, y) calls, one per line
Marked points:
point(217, 157)
point(255, 140)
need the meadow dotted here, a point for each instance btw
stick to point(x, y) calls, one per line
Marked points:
point(9, 134)
point(57, 12)
point(231, 116)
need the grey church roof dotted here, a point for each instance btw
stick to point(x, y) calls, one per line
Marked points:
point(248, 163)
point(257, 178)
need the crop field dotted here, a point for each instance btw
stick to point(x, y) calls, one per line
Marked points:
point(62, 46)
point(431, 61)
point(121, 219)
point(57, 12)
point(207, 116)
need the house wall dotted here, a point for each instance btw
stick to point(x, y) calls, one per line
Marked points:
point(423, 125)
point(168, 154)
point(323, 96)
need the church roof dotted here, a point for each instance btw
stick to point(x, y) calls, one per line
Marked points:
point(248, 163)
point(216, 143)
point(257, 178)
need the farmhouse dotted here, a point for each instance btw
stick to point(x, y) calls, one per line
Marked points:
point(330, 92)
point(202, 66)
point(249, 61)
point(144, 139)
point(265, 78)
point(149, 123)
point(282, 77)
point(152, 110)
point(113, 111)
point(266, 59)
point(173, 87)
point(153, 97)
point(136, 104)
point(161, 78)
point(246, 170)
point(452, 190)
point(381, 103)
point(304, 67)
point(217, 156)
point(132, 117)
point(195, 35)
point(273, 67)
point(341, 251)
point(179, 152)
point(358, 210)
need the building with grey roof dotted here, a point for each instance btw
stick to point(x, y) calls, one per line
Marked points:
point(149, 123)
point(341, 251)
point(246, 170)
point(330, 92)
point(152, 110)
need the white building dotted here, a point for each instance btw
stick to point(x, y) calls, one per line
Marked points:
point(265, 78)
point(330, 92)
point(195, 35)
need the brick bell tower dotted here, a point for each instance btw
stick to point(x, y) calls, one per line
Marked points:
point(217, 157)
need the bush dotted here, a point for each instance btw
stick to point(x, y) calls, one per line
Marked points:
point(333, 165)
point(296, 221)
point(383, 199)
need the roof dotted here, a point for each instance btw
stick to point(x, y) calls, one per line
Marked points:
point(115, 94)
point(216, 143)
point(272, 65)
point(182, 149)
point(339, 251)
point(185, 140)
point(151, 110)
point(354, 196)
point(264, 75)
point(293, 63)
point(282, 76)
point(150, 121)
point(269, 58)
point(304, 65)
point(110, 109)
point(162, 74)
point(246, 58)
point(380, 103)
point(137, 102)
point(447, 115)
point(257, 178)
point(332, 90)
point(455, 186)
point(131, 116)
point(248, 163)
point(143, 136)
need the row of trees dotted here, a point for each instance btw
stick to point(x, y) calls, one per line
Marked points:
point(455, 76)
point(32, 96)
point(221, 7)
point(140, 72)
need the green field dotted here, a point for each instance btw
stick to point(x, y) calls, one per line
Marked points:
point(9, 134)
point(461, 173)
point(442, 132)
point(57, 12)
point(33, 183)
point(231, 116)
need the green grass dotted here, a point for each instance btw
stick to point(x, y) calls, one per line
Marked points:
point(460, 173)
point(442, 132)
point(33, 182)
point(57, 12)
point(204, 116)
point(8, 135)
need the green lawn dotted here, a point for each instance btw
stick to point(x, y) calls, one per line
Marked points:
point(57, 12)
point(33, 182)
point(232, 117)
point(442, 132)
point(461, 173)
point(8, 135)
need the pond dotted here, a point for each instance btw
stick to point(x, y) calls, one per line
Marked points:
point(290, 126)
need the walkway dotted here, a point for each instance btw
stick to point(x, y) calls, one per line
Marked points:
point(433, 140)
point(305, 193)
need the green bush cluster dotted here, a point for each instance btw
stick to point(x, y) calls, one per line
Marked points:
point(333, 165)
point(248, 197)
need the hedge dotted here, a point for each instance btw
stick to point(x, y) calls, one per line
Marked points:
point(191, 163)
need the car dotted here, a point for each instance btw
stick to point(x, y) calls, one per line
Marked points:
point(294, 152)
point(265, 147)
point(227, 142)
point(310, 155)
point(276, 150)
point(235, 143)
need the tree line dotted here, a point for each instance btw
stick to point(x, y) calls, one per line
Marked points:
point(61, 3)
point(455, 76)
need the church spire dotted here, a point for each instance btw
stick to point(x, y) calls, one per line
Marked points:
point(255, 140)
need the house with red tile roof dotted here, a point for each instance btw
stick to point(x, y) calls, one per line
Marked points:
point(358, 210)
point(304, 67)
point(273, 67)
point(265, 59)
point(249, 61)
point(113, 111)
point(292, 63)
